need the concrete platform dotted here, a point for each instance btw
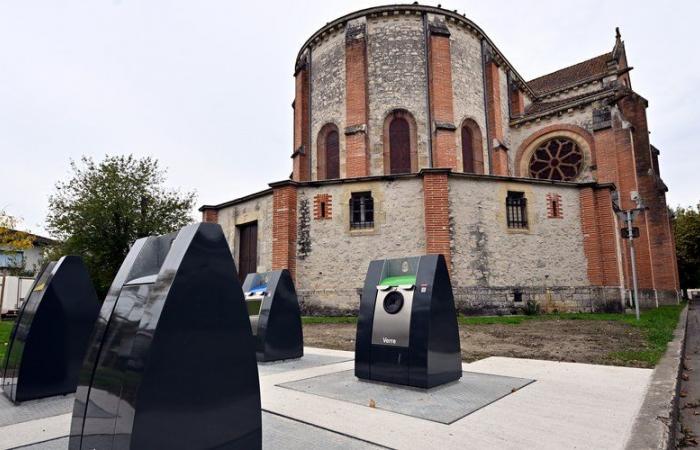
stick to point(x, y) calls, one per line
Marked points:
point(568, 406)
point(445, 404)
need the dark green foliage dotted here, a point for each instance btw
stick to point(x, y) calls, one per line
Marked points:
point(531, 308)
point(686, 229)
point(105, 206)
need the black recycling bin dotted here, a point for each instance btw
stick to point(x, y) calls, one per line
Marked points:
point(171, 364)
point(275, 317)
point(407, 327)
point(51, 333)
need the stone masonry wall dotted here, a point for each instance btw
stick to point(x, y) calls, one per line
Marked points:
point(468, 86)
point(397, 79)
point(259, 209)
point(331, 275)
point(328, 94)
point(490, 260)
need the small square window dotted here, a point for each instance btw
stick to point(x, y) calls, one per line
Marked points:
point(361, 210)
point(516, 210)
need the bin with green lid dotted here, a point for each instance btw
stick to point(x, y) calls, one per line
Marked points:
point(407, 326)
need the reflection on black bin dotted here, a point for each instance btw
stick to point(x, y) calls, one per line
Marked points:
point(407, 327)
point(52, 332)
point(274, 315)
point(171, 362)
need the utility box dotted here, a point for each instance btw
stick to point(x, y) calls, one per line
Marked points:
point(171, 363)
point(52, 332)
point(275, 317)
point(407, 327)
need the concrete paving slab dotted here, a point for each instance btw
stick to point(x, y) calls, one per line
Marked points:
point(445, 404)
point(569, 406)
point(33, 409)
point(278, 433)
point(305, 362)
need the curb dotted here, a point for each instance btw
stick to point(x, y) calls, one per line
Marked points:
point(656, 424)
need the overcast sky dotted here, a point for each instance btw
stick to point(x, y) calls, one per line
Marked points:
point(206, 86)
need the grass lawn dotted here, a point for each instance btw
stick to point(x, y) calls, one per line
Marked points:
point(5, 330)
point(598, 338)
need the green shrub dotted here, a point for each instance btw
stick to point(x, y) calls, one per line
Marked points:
point(531, 308)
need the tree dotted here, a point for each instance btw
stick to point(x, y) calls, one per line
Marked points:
point(105, 206)
point(10, 236)
point(686, 229)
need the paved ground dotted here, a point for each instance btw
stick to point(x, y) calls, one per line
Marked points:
point(567, 406)
point(690, 385)
point(584, 341)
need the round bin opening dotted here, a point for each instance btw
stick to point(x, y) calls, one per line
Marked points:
point(393, 302)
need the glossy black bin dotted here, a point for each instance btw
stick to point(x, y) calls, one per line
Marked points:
point(172, 360)
point(275, 317)
point(407, 327)
point(52, 331)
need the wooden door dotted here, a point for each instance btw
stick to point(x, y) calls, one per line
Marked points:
point(247, 249)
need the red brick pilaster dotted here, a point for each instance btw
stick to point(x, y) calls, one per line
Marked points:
point(284, 226)
point(517, 101)
point(441, 109)
point(302, 141)
point(437, 214)
point(658, 256)
point(499, 153)
point(356, 101)
point(599, 235)
point(210, 215)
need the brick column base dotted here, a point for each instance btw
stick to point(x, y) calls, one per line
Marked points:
point(437, 214)
point(284, 227)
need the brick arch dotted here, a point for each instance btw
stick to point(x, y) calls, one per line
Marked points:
point(322, 151)
point(578, 134)
point(477, 145)
point(399, 113)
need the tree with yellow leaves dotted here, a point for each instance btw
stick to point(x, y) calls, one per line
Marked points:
point(10, 237)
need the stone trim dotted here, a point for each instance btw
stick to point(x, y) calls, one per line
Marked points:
point(445, 126)
point(578, 134)
point(361, 128)
point(439, 29)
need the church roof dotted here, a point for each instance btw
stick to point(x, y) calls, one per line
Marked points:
point(572, 75)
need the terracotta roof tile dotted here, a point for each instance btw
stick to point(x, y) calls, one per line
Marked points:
point(570, 75)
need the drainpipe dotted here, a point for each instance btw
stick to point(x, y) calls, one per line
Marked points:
point(486, 106)
point(426, 52)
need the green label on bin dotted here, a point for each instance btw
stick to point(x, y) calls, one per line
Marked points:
point(397, 281)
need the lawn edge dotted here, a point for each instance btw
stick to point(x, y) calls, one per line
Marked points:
point(656, 423)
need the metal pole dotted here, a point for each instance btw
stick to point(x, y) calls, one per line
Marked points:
point(634, 264)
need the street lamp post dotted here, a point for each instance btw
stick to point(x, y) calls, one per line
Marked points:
point(627, 216)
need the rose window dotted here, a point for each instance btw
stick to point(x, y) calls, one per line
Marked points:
point(556, 159)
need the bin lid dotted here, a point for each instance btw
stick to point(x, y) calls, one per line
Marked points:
point(259, 289)
point(399, 280)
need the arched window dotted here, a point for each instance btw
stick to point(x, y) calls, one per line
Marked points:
point(400, 146)
point(328, 153)
point(400, 154)
point(556, 159)
point(472, 152)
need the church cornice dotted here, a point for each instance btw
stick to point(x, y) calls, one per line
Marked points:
point(415, 9)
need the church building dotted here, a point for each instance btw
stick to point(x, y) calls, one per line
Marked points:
point(414, 134)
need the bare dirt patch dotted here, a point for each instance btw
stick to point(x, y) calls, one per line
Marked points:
point(585, 341)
